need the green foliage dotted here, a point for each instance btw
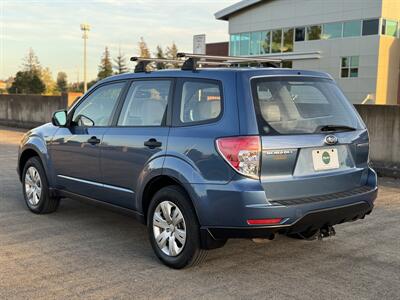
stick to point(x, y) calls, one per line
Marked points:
point(120, 64)
point(105, 67)
point(78, 86)
point(48, 81)
point(171, 53)
point(62, 82)
point(143, 49)
point(160, 54)
point(27, 82)
point(31, 63)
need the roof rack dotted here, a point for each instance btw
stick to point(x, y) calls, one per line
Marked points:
point(193, 60)
point(142, 62)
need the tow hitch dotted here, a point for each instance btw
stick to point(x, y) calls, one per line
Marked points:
point(325, 232)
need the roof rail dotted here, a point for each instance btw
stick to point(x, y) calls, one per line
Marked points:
point(193, 60)
point(142, 62)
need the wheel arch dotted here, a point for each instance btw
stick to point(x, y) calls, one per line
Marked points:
point(31, 150)
point(26, 154)
point(157, 183)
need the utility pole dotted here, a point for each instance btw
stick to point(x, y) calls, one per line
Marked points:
point(85, 29)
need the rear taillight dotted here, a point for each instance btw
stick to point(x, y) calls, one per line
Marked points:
point(242, 153)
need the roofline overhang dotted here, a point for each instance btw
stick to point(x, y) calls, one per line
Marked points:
point(224, 14)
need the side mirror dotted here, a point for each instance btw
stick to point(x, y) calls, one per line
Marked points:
point(59, 118)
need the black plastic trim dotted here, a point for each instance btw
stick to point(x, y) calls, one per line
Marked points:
point(312, 220)
point(350, 193)
point(130, 212)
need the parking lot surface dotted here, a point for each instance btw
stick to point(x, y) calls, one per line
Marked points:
point(86, 251)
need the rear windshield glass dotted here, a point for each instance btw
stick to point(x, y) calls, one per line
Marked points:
point(287, 105)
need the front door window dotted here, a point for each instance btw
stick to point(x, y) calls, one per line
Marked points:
point(97, 108)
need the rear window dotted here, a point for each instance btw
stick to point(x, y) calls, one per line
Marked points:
point(288, 105)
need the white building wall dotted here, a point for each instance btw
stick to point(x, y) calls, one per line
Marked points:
point(277, 14)
point(356, 89)
point(288, 13)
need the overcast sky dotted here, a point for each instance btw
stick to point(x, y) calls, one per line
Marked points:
point(52, 29)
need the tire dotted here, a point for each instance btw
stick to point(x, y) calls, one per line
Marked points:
point(183, 252)
point(35, 188)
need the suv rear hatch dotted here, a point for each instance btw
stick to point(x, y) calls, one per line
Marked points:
point(313, 141)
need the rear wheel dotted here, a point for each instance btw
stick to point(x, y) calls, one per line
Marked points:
point(35, 188)
point(173, 229)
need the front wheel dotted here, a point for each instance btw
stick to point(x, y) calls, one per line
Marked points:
point(35, 188)
point(173, 229)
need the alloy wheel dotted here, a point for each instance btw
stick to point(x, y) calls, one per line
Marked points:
point(33, 186)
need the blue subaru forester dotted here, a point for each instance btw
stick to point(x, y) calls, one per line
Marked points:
point(204, 155)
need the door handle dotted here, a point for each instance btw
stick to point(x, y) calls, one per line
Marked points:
point(93, 140)
point(152, 143)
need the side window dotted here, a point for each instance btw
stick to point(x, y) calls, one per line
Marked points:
point(200, 101)
point(146, 103)
point(97, 108)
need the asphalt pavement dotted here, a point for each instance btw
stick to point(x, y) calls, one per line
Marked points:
point(86, 251)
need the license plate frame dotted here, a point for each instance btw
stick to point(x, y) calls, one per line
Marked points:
point(325, 159)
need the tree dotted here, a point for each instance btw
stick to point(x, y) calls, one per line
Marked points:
point(31, 63)
point(78, 86)
point(120, 63)
point(143, 49)
point(49, 83)
point(62, 82)
point(159, 54)
point(26, 82)
point(105, 67)
point(171, 52)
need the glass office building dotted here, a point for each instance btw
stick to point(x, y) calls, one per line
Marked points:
point(357, 42)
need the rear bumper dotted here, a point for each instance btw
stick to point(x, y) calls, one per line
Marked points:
point(223, 213)
point(312, 220)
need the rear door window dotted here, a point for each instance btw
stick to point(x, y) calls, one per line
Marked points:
point(200, 101)
point(301, 105)
point(146, 103)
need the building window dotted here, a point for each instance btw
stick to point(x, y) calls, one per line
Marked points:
point(300, 34)
point(314, 32)
point(244, 43)
point(255, 40)
point(234, 45)
point(352, 28)
point(349, 66)
point(288, 35)
point(276, 41)
point(332, 30)
point(370, 27)
point(282, 40)
point(265, 42)
point(389, 27)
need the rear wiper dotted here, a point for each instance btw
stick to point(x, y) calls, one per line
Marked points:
point(324, 128)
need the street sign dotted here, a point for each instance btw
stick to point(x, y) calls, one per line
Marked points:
point(199, 44)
